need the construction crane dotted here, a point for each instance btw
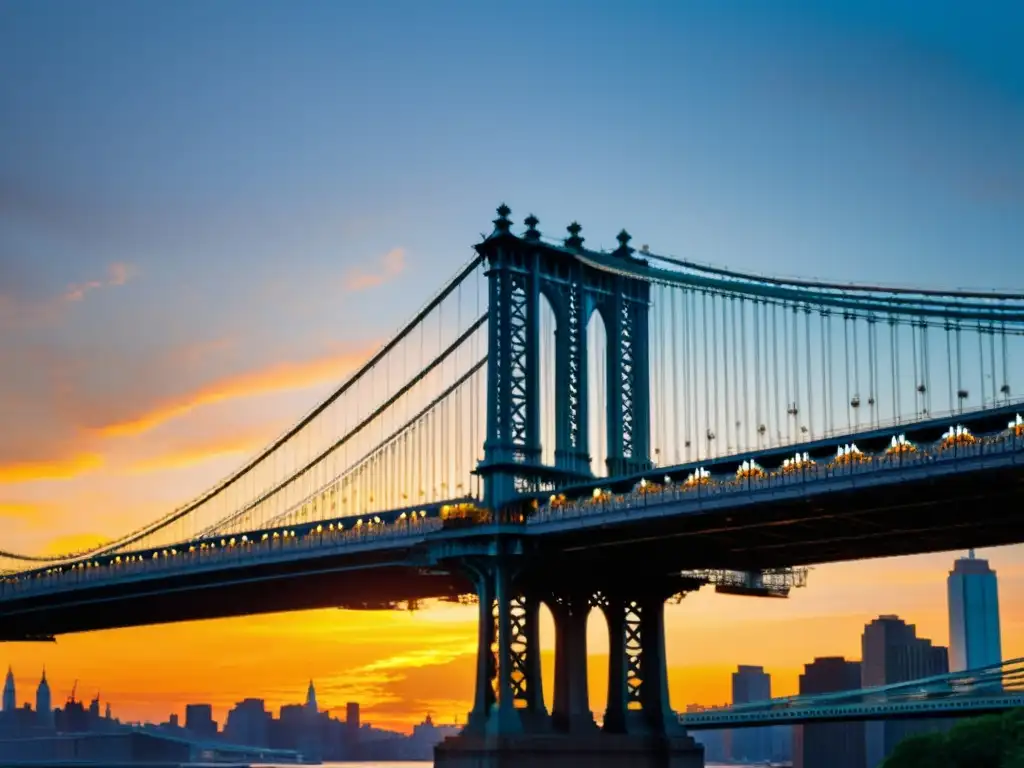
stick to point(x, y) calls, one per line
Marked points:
point(771, 582)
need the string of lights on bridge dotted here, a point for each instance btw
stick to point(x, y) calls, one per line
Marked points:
point(956, 442)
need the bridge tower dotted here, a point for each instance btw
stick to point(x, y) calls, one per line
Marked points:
point(576, 282)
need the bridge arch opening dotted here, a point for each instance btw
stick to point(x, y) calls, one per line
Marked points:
point(597, 393)
point(546, 632)
point(597, 662)
point(548, 323)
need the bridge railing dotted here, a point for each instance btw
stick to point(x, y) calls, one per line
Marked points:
point(956, 446)
point(231, 550)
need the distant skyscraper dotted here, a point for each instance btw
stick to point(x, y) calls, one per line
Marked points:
point(10, 699)
point(893, 653)
point(829, 745)
point(44, 704)
point(750, 684)
point(973, 615)
point(311, 698)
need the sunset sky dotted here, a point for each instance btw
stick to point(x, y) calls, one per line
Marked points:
point(210, 212)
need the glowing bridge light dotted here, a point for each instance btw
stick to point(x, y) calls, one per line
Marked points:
point(798, 462)
point(900, 444)
point(1017, 426)
point(749, 470)
point(848, 454)
point(957, 436)
point(699, 476)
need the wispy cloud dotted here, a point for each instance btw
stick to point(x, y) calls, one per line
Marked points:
point(275, 378)
point(424, 657)
point(388, 267)
point(206, 450)
point(57, 469)
point(118, 274)
point(17, 311)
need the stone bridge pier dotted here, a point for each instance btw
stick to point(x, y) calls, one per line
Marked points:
point(509, 725)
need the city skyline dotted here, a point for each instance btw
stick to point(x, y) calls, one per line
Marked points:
point(782, 656)
point(185, 270)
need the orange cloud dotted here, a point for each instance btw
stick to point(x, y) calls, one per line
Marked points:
point(75, 542)
point(276, 378)
point(391, 265)
point(189, 456)
point(57, 469)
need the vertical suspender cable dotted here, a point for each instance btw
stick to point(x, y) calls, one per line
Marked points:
point(676, 417)
point(745, 374)
point(737, 422)
point(959, 370)
point(981, 364)
point(706, 440)
point(758, 381)
point(715, 346)
point(846, 342)
point(810, 378)
point(992, 359)
point(777, 411)
point(727, 377)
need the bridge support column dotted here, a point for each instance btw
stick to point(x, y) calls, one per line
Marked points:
point(571, 711)
point(509, 726)
point(508, 698)
point(638, 699)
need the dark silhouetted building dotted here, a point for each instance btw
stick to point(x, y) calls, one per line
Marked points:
point(829, 745)
point(248, 723)
point(750, 684)
point(44, 704)
point(893, 653)
point(199, 721)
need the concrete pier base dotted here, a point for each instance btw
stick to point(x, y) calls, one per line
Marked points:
point(599, 750)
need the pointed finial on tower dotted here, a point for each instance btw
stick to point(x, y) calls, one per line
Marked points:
point(532, 232)
point(574, 240)
point(502, 224)
point(623, 250)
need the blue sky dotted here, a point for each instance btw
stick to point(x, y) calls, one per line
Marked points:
point(192, 191)
point(203, 197)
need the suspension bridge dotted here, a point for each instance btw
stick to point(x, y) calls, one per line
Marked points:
point(589, 429)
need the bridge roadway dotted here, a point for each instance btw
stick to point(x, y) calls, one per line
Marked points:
point(833, 713)
point(930, 493)
point(972, 692)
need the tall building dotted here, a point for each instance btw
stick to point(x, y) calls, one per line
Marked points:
point(248, 723)
point(893, 653)
point(829, 745)
point(10, 697)
point(199, 720)
point(973, 615)
point(311, 698)
point(750, 684)
point(44, 703)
